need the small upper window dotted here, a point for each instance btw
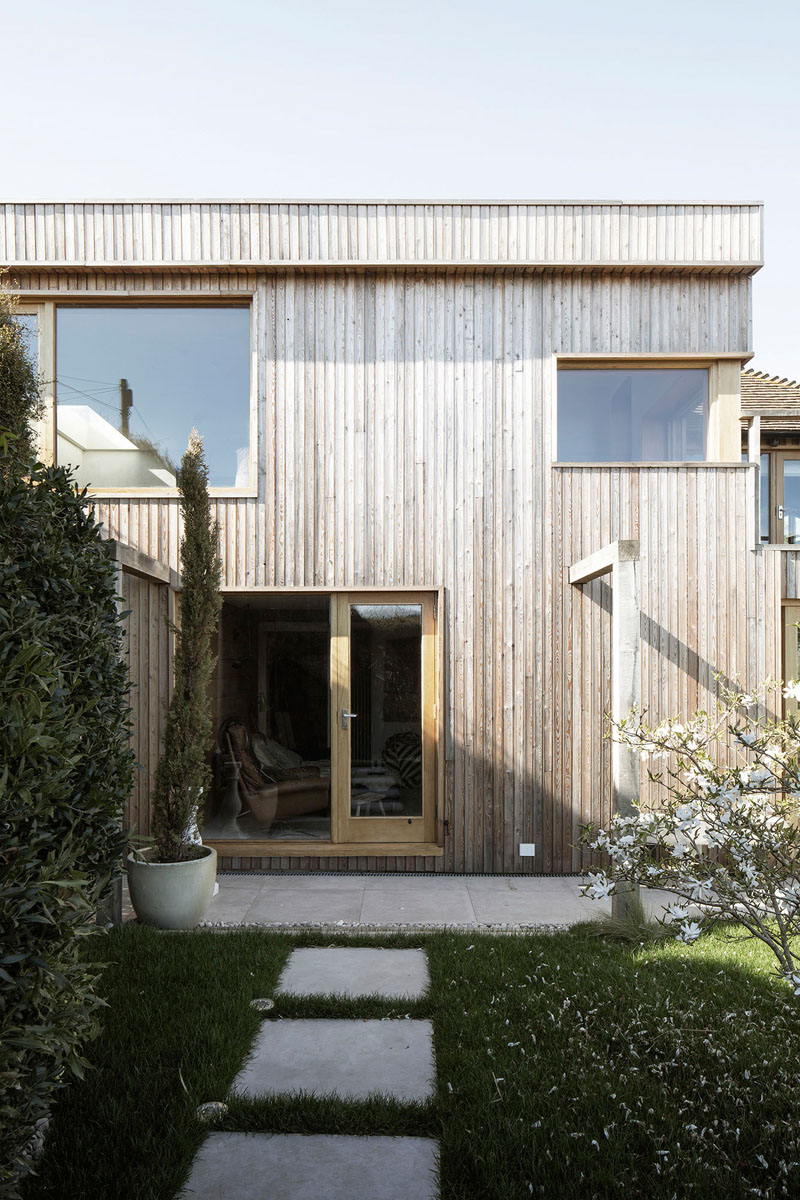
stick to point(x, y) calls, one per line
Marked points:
point(131, 383)
point(639, 415)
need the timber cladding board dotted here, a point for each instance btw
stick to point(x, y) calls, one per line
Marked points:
point(146, 608)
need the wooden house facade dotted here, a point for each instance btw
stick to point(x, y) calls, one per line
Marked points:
point(417, 481)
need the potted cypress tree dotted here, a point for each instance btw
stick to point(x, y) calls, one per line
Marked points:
point(171, 883)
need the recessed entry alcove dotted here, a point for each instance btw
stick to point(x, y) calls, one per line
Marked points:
point(323, 718)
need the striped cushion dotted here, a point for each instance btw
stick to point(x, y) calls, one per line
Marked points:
point(403, 754)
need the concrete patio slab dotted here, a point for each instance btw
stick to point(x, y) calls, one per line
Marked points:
point(523, 901)
point(438, 900)
point(292, 1166)
point(295, 900)
point(251, 881)
point(341, 1058)
point(341, 971)
point(402, 901)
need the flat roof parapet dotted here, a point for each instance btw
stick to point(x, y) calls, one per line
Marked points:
point(319, 235)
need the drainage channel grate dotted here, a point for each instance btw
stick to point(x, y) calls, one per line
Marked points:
point(398, 874)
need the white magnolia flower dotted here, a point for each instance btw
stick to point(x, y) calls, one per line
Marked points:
point(599, 888)
point(690, 931)
point(679, 850)
point(701, 890)
point(677, 912)
point(746, 737)
point(792, 690)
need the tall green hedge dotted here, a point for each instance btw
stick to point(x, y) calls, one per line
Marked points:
point(65, 772)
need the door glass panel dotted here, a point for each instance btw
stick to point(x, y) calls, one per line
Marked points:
point(273, 720)
point(791, 500)
point(386, 702)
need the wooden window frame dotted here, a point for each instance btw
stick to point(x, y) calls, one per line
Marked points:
point(47, 361)
point(45, 368)
point(433, 844)
point(723, 427)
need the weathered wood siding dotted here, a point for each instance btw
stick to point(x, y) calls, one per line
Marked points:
point(146, 605)
point(208, 233)
point(407, 440)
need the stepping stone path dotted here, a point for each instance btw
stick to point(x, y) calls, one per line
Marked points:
point(399, 974)
point(349, 1059)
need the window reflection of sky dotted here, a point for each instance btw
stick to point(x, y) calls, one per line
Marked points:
point(187, 367)
point(30, 334)
point(632, 415)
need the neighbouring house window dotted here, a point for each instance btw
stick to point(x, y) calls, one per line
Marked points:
point(765, 497)
point(131, 383)
point(637, 415)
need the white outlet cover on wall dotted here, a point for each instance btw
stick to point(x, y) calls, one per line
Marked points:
point(527, 849)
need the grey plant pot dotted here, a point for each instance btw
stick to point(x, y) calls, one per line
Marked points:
point(172, 895)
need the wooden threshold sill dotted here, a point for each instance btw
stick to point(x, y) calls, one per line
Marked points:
point(267, 849)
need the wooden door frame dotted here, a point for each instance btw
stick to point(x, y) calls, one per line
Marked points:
point(346, 829)
point(265, 848)
point(777, 458)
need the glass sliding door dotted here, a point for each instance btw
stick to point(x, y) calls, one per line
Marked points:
point(383, 674)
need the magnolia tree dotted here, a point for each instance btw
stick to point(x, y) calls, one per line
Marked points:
point(724, 839)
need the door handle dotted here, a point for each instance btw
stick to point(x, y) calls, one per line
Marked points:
point(347, 716)
point(780, 512)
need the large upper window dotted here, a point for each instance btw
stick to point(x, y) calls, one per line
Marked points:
point(131, 383)
point(637, 415)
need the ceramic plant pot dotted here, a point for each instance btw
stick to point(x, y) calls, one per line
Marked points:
point(172, 895)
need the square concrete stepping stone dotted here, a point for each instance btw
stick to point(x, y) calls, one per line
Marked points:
point(341, 1058)
point(392, 974)
point(293, 1166)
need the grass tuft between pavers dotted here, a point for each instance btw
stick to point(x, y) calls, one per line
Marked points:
point(567, 1066)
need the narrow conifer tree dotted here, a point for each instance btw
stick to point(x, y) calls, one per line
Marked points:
point(183, 768)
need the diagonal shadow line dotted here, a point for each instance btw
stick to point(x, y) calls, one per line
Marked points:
point(667, 644)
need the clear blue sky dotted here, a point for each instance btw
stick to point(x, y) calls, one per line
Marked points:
point(414, 99)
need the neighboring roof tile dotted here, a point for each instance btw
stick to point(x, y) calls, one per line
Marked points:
point(762, 393)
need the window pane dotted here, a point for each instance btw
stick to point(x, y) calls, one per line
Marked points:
point(632, 416)
point(132, 383)
point(386, 728)
point(30, 335)
point(764, 482)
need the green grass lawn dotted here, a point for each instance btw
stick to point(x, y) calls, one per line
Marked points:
point(567, 1066)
